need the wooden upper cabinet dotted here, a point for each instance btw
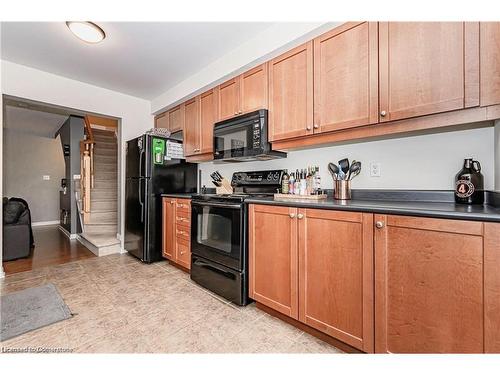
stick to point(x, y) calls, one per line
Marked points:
point(346, 77)
point(208, 116)
point(490, 63)
point(273, 258)
point(168, 228)
point(253, 89)
point(161, 121)
point(228, 98)
point(336, 275)
point(427, 67)
point(291, 94)
point(428, 285)
point(191, 126)
point(175, 119)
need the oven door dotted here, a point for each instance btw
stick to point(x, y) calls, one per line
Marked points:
point(217, 232)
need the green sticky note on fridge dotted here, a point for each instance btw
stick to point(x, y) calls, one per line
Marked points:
point(158, 150)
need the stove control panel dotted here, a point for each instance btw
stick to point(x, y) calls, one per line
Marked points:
point(258, 178)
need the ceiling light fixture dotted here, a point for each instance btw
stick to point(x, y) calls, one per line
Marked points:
point(87, 31)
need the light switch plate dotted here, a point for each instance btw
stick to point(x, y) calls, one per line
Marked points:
point(76, 177)
point(46, 177)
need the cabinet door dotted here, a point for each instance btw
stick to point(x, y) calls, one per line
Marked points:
point(208, 117)
point(169, 228)
point(273, 258)
point(191, 127)
point(492, 287)
point(254, 86)
point(428, 285)
point(427, 67)
point(229, 99)
point(346, 77)
point(490, 63)
point(175, 119)
point(291, 94)
point(161, 121)
point(183, 252)
point(336, 274)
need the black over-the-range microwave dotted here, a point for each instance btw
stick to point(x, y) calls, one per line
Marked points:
point(244, 138)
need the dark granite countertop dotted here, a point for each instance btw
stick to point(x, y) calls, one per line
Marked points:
point(179, 195)
point(447, 209)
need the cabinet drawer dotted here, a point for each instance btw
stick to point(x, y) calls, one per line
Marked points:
point(183, 205)
point(183, 218)
point(183, 253)
point(182, 232)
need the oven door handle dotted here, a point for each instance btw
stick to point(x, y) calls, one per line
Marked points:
point(212, 267)
point(214, 204)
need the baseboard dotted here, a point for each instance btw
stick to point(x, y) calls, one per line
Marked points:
point(69, 235)
point(43, 223)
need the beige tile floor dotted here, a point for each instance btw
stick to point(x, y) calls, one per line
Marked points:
point(124, 306)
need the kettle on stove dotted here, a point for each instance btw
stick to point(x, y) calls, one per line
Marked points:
point(469, 183)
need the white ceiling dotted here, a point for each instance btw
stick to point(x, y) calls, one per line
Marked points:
point(142, 59)
point(34, 122)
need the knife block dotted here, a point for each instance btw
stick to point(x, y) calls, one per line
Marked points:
point(225, 187)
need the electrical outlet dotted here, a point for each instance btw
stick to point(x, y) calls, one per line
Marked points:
point(374, 169)
point(46, 177)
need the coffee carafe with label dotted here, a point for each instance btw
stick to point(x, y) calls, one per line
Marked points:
point(469, 183)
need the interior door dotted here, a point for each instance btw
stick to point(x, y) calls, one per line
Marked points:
point(346, 77)
point(427, 67)
point(291, 94)
point(273, 257)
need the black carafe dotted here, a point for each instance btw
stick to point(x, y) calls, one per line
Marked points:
point(469, 185)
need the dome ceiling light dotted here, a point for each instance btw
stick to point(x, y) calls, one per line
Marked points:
point(87, 31)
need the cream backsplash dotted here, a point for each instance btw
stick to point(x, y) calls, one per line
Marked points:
point(421, 162)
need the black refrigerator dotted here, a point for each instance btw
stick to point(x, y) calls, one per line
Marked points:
point(148, 174)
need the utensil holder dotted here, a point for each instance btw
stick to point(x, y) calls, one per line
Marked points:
point(342, 190)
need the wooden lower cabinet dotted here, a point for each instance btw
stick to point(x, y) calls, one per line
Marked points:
point(315, 266)
point(336, 274)
point(273, 258)
point(177, 231)
point(380, 283)
point(428, 285)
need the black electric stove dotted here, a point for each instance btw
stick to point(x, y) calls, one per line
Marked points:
point(219, 244)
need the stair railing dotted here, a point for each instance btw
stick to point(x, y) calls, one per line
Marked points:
point(87, 168)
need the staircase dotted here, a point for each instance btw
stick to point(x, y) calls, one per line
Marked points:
point(101, 222)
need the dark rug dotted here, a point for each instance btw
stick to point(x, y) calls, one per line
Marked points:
point(30, 309)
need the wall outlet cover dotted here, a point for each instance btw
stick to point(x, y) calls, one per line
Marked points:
point(375, 170)
point(76, 177)
point(46, 177)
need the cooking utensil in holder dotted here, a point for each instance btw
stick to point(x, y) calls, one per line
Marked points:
point(342, 189)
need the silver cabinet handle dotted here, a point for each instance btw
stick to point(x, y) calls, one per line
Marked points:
point(379, 224)
point(308, 127)
point(292, 216)
point(183, 252)
point(236, 112)
point(300, 216)
point(383, 113)
point(316, 126)
point(172, 202)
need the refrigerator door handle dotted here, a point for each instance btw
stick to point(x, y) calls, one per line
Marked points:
point(140, 200)
point(140, 163)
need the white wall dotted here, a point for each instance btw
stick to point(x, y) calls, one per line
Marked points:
point(24, 82)
point(420, 162)
point(270, 43)
point(27, 158)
